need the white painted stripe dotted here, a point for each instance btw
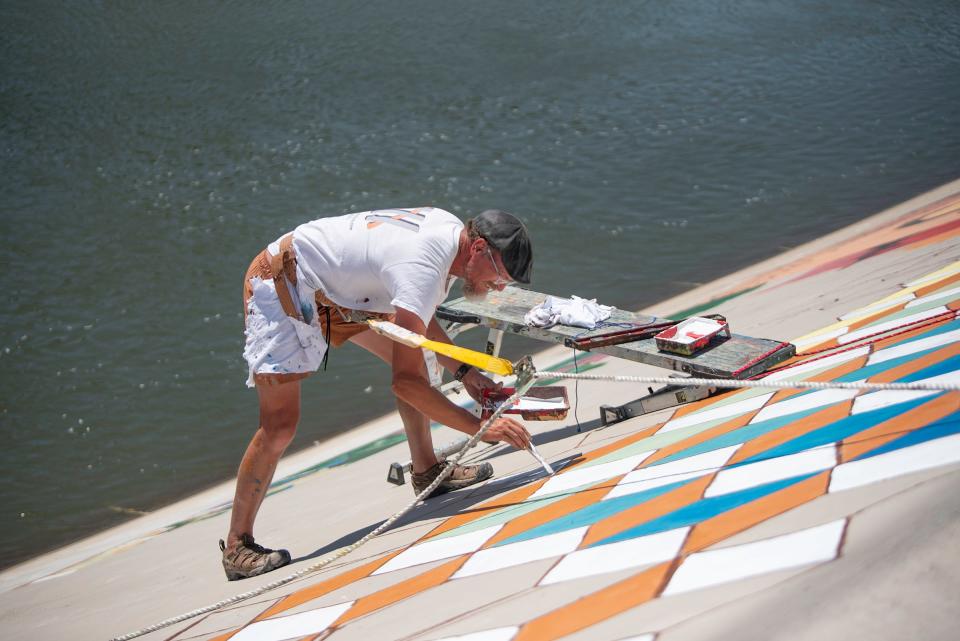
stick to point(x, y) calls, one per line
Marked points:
point(506, 556)
point(436, 549)
point(577, 477)
point(941, 451)
point(886, 398)
point(496, 634)
point(823, 363)
point(804, 402)
point(809, 340)
point(891, 324)
point(622, 555)
point(715, 567)
point(658, 475)
point(933, 277)
point(914, 346)
point(723, 411)
point(879, 306)
point(949, 294)
point(782, 467)
point(293, 626)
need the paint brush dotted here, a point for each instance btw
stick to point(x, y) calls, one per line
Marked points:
point(533, 450)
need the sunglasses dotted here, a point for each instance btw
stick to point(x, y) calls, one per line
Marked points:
point(501, 281)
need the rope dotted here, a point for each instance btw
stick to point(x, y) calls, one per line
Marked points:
point(342, 552)
point(724, 382)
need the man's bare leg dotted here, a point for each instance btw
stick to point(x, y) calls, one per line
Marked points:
point(415, 424)
point(279, 415)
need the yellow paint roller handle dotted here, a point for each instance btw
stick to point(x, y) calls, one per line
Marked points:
point(480, 360)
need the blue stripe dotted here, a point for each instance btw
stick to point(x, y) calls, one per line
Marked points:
point(702, 510)
point(938, 429)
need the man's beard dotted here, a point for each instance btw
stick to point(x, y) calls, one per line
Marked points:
point(473, 291)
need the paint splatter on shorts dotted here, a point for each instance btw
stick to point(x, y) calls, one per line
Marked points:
point(279, 348)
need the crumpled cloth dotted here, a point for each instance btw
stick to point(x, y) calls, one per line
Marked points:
point(573, 311)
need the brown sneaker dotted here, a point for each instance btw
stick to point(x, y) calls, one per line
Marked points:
point(249, 559)
point(462, 476)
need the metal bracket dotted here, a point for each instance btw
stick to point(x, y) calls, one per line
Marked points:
point(669, 396)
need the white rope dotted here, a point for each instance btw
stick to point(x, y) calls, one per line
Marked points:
point(930, 385)
point(342, 552)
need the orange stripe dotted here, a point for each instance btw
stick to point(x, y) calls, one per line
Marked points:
point(932, 287)
point(325, 587)
point(399, 591)
point(866, 320)
point(917, 364)
point(792, 430)
point(696, 439)
point(514, 497)
point(599, 606)
point(897, 426)
point(722, 526)
point(647, 511)
point(555, 510)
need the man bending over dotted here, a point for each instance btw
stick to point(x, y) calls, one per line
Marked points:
point(315, 287)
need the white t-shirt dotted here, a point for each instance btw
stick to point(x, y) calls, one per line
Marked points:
point(376, 261)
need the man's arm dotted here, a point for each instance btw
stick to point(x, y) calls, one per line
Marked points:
point(411, 384)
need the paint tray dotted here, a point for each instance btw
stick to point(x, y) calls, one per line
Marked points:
point(691, 335)
point(549, 403)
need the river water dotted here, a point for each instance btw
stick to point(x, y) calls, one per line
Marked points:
point(149, 150)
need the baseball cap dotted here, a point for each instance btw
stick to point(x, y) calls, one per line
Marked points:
point(507, 234)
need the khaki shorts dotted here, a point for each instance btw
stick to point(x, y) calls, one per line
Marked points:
point(340, 328)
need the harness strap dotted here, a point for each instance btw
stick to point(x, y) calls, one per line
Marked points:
point(283, 268)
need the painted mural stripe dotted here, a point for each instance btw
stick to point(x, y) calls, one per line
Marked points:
point(438, 548)
point(804, 402)
point(647, 478)
point(703, 510)
point(931, 454)
point(748, 475)
point(632, 553)
point(602, 511)
point(835, 431)
point(497, 503)
point(715, 567)
point(400, 591)
point(758, 437)
point(494, 634)
point(946, 426)
point(699, 438)
point(505, 556)
point(294, 625)
point(582, 476)
point(942, 295)
point(875, 437)
point(684, 493)
point(597, 606)
point(724, 525)
point(722, 412)
point(891, 324)
point(327, 586)
point(514, 530)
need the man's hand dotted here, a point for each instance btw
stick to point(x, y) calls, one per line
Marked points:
point(475, 382)
point(508, 431)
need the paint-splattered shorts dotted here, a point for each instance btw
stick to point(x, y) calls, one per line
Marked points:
point(278, 348)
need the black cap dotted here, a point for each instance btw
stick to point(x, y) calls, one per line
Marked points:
point(508, 235)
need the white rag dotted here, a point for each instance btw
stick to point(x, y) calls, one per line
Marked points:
point(573, 311)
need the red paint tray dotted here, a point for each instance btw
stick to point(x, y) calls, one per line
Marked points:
point(692, 335)
point(532, 406)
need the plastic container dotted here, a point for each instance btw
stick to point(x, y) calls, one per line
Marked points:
point(692, 335)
